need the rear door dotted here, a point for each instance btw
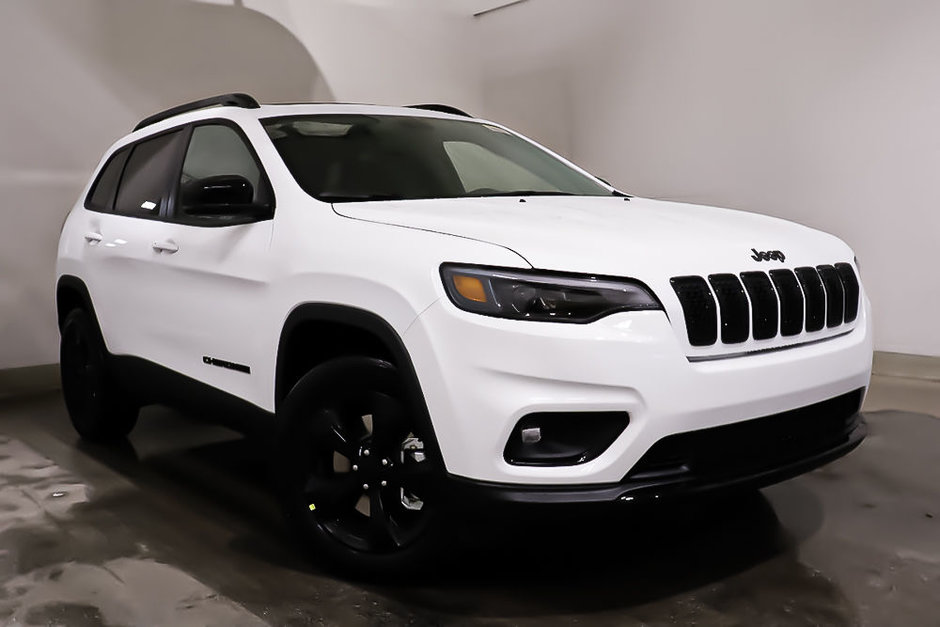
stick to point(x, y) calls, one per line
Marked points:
point(128, 203)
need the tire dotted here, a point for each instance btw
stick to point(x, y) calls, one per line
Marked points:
point(99, 409)
point(357, 485)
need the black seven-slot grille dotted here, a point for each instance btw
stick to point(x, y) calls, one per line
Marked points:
point(762, 305)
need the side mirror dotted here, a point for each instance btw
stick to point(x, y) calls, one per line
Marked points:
point(225, 195)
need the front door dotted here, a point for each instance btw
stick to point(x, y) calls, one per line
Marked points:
point(211, 273)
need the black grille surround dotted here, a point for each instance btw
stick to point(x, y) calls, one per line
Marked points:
point(731, 309)
point(698, 305)
point(791, 299)
point(732, 303)
point(764, 308)
point(814, 294)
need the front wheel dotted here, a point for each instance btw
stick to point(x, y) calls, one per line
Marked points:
point(358, 482)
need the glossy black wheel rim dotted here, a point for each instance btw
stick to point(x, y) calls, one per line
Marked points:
point(363, 466)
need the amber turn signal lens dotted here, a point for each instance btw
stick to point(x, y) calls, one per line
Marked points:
point(470, 288)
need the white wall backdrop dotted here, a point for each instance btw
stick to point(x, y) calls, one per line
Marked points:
point(386, 51)
point(77, 75)
point(820, 111)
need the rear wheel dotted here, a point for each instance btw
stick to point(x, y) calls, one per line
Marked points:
point(357, 480)
point(98, 407)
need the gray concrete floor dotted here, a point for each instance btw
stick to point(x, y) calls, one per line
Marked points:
point(176, 528)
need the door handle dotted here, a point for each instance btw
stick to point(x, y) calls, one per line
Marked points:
point(169, 247)
point(93, 238)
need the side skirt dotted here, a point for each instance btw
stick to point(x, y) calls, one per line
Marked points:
point(151, 384)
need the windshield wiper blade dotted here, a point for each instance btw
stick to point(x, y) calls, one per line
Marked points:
point(519, 192)
point(331, 197)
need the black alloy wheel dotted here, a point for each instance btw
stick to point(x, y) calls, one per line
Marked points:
point(358, 480)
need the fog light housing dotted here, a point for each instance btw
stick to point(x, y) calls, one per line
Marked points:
point(563, 438)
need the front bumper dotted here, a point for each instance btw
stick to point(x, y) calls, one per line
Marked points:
point(710, 469)
point(480, 375)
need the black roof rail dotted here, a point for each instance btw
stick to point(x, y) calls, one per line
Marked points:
point(441, 108)
point(224, 100)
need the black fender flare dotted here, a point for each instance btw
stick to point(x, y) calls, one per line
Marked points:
point(372, 324)
point(75, 284)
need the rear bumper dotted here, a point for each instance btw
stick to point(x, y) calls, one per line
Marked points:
point(750, 454)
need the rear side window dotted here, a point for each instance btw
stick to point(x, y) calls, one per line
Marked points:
point(148, 176)
point(102, 194)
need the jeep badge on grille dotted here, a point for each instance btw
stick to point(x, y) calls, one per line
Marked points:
point(768, 255)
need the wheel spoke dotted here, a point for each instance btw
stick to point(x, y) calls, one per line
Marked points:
point(329, 430)
point(389, 424)
point(332, 493)
point(383, 528)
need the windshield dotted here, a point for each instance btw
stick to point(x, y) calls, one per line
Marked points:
point(347, 158)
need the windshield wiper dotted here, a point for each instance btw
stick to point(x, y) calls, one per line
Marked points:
point(518, 192)
point(331, 197)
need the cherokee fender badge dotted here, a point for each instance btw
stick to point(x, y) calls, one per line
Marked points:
point(228, 365)
point(768, 255)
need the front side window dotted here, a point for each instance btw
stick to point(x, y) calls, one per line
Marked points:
point(221, 182)
point(217, 153)
point(347, 158)
point(147, 180)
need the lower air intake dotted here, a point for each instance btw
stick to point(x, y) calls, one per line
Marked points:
point(748, 447)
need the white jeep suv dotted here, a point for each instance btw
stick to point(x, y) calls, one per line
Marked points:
point(426, 308)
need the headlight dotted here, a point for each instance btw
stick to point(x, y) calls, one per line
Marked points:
point(542, 296)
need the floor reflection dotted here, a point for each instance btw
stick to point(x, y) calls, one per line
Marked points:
point(198, 498)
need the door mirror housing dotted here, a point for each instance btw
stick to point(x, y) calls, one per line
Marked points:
point(221, 196)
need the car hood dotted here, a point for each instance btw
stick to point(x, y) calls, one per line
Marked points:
point(640, 238)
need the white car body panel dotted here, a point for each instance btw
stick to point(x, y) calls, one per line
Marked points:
point(480, 375)
point(642, 239)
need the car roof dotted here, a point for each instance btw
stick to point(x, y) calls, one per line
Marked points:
point(276, 110)
point(242, 108)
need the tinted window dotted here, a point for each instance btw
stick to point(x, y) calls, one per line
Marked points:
point(146, 184)
point(339, 158)
point(219, 150)
point(101, 197)
point(479, 168)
